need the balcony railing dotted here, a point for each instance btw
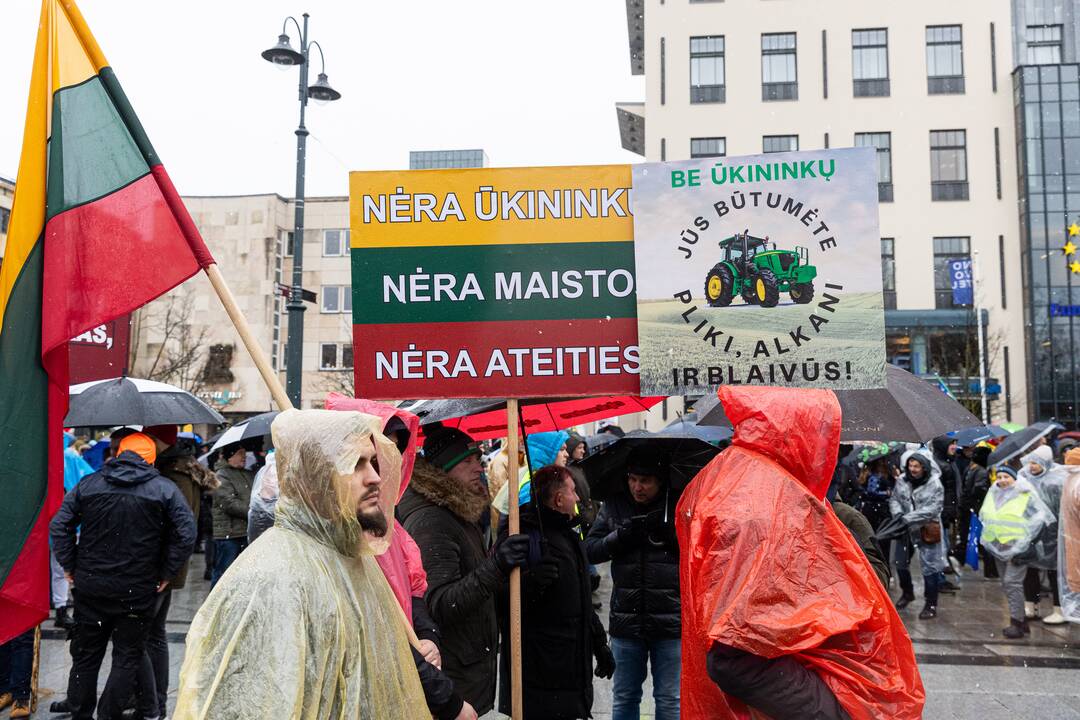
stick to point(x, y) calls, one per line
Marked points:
point(779, 91)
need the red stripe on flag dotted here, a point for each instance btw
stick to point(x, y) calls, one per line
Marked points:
point(183, 218)
point(109, 257)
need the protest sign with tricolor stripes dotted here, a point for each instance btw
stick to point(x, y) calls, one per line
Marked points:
point(493, 282)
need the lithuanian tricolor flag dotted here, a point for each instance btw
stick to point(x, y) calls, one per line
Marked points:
point(96, 230)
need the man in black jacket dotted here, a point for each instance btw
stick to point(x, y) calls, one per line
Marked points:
point(635, 530)
point(441, 510)
point(136, 533)
point(560, 631)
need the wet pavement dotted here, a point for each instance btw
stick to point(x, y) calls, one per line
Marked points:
point(970, 671)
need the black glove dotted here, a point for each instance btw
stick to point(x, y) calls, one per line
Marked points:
point(605, 662)
point(634, 531)
point(512, 552)
point(541, 576)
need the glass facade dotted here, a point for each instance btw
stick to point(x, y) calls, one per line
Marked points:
point(441, 159)
point(1047, 104)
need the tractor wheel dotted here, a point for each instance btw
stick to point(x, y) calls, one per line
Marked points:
point(802, 293)
point(718, 286)
point(766, 289)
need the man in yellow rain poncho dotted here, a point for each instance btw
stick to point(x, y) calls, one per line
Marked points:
point(304, 625)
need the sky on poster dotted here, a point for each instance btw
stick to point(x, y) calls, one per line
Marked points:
point(530, 83)
point(847, 203)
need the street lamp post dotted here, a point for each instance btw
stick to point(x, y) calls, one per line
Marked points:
point(284, 54)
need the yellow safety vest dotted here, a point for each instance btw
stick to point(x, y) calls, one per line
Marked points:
point(1006, 524)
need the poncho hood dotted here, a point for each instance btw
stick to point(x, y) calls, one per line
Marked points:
point(801, 436)
point(336, 401)
point(317, 452)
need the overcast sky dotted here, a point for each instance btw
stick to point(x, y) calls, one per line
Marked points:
point(533, 83)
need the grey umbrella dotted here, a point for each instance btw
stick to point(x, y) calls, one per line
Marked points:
point(1021, 442)
point(133, 401)
point(907, 408)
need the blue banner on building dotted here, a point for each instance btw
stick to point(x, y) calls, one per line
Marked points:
point(960, 277)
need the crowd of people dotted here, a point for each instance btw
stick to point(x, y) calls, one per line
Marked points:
point(364, 568)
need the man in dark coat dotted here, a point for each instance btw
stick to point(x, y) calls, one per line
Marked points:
point(944, 450)
point(635, 530)
point(441, 510)
point(136, 533)
point(561, 632)
point(230, 508)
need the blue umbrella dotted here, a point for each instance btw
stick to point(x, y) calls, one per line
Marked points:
point(973, 436)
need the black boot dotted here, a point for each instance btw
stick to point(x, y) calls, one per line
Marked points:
point(60, 706)
point(1015, 631)
point(63, 619)
point(905, 600)
point(929, 612)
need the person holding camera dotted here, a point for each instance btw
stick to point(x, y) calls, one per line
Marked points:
point(635, 531)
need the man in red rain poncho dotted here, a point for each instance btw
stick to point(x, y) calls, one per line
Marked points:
point(782, 615)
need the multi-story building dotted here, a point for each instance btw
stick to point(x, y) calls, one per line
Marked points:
point(7, 197)
point(1046, 94)
point(251, 237)
point(927, 86)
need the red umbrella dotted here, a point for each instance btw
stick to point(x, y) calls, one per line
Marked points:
point(485, 419)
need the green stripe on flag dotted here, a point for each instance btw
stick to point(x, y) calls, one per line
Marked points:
point(91, 152)
point(24, 408)
point(518, 282)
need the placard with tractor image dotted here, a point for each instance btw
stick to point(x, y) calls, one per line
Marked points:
point(754, 269)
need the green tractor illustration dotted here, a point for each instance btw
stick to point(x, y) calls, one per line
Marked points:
point(753, 268)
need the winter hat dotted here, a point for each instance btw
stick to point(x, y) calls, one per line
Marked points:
point(445, 447)
point(573, 441)
point(164, 433)
point(140, 444)
point(1072, 457)
point(646, 459)
point(1005, 470)
point(544, 448)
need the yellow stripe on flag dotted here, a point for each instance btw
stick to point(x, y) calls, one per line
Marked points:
point(28, 209)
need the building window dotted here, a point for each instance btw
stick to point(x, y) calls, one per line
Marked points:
point(948, 165)
point(708, 147)
point(5, 215)
point(944, 60)
point(707, 69)
point(870, 62)
point(335, 243)
point(888, 272)
point(882, 142)
point(779, 75)
point(946, 249)
point(779, 143)
point(288, 239)
point(1043, 44)
point(336, 299)
point(335, 356)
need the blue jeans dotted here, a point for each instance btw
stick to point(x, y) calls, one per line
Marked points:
point(225, 552)
point(631, 658)
point(16, 664)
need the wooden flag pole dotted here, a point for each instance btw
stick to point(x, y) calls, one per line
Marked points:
point(278, 392)
point(254, 349)
point(516, 700)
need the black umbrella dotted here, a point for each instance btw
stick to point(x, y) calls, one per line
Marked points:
point(132, 401)
point(687, 425)
point(907, 408)
point(685, 456)
point(254, 427)
point(1021, 442)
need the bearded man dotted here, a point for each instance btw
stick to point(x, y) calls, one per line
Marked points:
point(304, 624)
